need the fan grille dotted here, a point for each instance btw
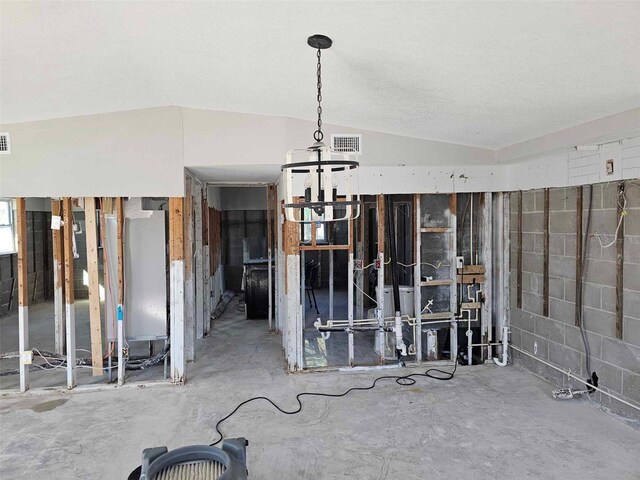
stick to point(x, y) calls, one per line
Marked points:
point(201, 470)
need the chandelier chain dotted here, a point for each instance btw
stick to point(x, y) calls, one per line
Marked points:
point(318, 135)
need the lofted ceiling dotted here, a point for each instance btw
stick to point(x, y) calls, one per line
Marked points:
point(488, 74)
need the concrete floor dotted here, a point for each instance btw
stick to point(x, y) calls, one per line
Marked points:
point(488, 422)
point(42, 337)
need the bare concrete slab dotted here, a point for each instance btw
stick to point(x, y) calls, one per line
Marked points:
point(488, 422)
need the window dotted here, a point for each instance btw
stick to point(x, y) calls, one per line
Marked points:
point(306, 230)
point(7, 230)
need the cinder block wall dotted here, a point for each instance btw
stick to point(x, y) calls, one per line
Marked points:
point(39, 265)
point(555, 338)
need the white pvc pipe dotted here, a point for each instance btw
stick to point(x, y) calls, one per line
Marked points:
point(570, 375)
point(505, 348)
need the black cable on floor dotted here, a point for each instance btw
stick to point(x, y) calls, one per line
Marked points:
point(403, 380)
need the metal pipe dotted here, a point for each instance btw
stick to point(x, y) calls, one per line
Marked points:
point(570, 375)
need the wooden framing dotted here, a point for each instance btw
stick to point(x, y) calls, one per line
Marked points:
point(69, 292)
point(58, 280)
point(94, 285)
point(579, 253)
point(380, 260)
point(545, 253)
point(121, 305)
point(189, 284)
point(176, 287)
point(23, 293)
point(206, 262)
point(620, 263)
point(270, 256)
point(198, 260)
point(519, 266)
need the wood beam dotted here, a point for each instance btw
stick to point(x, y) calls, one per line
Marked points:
point(121, 306)
point(579, 253)
point(176, 287)
point(545, 252)
point(189, 284)
point(620, 263)
point(67, 215)
point(95, 322)
point(519, 266)
point(58, 280)
point(23, 293)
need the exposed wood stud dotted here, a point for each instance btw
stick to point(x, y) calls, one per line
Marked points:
point(121, 305)
point(94, 285)
point(545, 292)
point(189, 284)
point(69, 292)
point(58, 280)
point(620, 263)
point(579, 207)
point(519, 266)
point(23, 289)
point(176, 288)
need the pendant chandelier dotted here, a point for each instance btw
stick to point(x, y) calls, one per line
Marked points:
point(318, 182)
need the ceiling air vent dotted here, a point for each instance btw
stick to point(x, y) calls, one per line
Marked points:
point(5, 144)
point(343, 143)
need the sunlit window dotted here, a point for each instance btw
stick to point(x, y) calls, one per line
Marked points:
point(7, 227)
point(306, 231)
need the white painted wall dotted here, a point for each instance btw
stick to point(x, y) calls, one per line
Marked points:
point(135, 153)
point(144, 152)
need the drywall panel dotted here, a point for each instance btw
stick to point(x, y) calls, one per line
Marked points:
point(614, 127)
point(224, 138)
point(135, 153)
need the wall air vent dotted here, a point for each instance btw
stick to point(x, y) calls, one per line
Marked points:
point(343, 143)
point(5, 144)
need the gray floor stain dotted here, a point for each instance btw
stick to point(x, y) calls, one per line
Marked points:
point(49, 405)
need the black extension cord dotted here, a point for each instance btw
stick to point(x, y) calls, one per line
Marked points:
point(403, 380)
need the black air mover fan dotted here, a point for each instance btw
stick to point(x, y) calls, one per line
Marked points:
point(196, 462)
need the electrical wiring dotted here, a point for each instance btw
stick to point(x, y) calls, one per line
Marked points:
point(60, 361)
point(623, 212)
point(402, 380)
point(365, 294)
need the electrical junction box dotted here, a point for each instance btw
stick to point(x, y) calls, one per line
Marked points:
point(459, 262)
point(56, 222)
point(26, 357)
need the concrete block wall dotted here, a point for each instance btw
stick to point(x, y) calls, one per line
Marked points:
point(555, 338)
point(39, 265)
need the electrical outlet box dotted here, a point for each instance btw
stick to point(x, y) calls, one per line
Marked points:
point(56, 222)
point(609, 165)
point(26, 357)
point(459, 262)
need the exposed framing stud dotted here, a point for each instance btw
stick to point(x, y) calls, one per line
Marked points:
point(620, 264)
point(94, 285)
point(23, 293)
point(176, 282)
point(121, 306)
point(579, 253)
point(519, 266)
point(189, 285)
point(69, 293)
point(380, 287)
point(545, 252)
point(58, 280)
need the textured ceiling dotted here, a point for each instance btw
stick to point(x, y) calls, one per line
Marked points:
point(489, 74)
